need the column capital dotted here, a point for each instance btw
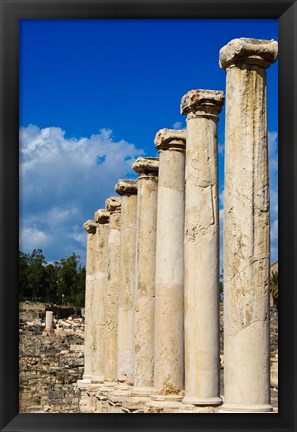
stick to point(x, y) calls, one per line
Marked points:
point(126, 187)
point(202, 102)
point(113, 204)
point(101, 216)
point(146, 166)
point(90, 226)
point(167, 139)
point(248, 51)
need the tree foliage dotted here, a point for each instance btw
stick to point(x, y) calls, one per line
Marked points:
point(59, 282)
point(274, 286)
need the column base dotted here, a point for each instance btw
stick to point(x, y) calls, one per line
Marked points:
point(159, 403)
point(167, 398)
point(84, 383)
point(136, 401)
point(193, 400)
point(238, 408)
point(123, 386)
point(87, 376)
point(97, 379)
point(108, 386)
point(142, 391)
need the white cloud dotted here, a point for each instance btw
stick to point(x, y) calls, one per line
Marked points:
point(63, 181)
point(221, 148)
point(273, 254)
point(34, 238)
point(221, 198)
point(274, 230)
point(273, 179)
point(273, 158)
point(178, 125)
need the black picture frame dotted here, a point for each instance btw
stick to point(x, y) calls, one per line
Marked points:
point(286, 13)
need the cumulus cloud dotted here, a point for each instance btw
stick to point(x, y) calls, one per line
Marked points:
point(178, 125)
point(63, 181)
point(273, 178)
point(33, 236)
point(221, 148)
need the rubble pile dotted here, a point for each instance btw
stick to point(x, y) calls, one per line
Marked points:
point(50, 363)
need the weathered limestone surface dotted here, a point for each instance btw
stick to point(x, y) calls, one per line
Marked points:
point(201, 248)
point(101, 217)
point(49, 367)
point(144, 287)
point(49, 321)
point(125, 348)
point(248, 51)
point(145, 273)
point(90, 226)
point(113, 205)
point(246, 226)
point(169, 297)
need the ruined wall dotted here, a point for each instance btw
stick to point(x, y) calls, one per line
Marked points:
point(50, 365)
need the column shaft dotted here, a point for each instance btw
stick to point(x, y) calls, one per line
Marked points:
point(202, 249)
point(90, 226)
point(49, 321)
point(111, 298)
point(169, 304)
point(100, 284)
point(246, 238)
point(145, 282)
point(125, 364)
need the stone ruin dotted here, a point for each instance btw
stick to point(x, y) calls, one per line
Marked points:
point(50, 359)
point(152, 284)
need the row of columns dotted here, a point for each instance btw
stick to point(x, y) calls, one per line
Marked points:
point(152, 286)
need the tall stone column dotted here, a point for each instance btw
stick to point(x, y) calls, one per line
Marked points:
point(246, 226)
point(113, 205)
point(125, 347)
point(101, 217)
point(202, 363)
point(169, 297)
point(90, 226)
point(147, 168)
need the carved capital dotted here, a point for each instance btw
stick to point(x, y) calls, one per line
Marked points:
point(146, 166)
point(113, 204)
point(126, 187)
point(201, 102)
point(248, 51)
point(90, 226)
point(101, 216)
point(170, 138)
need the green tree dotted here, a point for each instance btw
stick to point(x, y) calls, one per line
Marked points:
point(70, 285)
point(274, 287)
point(62, 280)
point(23, 274)
point(51, 282)
point(36, 274)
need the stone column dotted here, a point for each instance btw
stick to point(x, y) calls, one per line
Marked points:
point(202, 363)
point(169, 304)
point(246, 226)
point(113, 205)
point(147, 168)
point(101, 217)
point(125, 348)
point(49, 321)
point(90, 227)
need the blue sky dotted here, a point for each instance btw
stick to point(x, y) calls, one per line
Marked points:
point(93, 94)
